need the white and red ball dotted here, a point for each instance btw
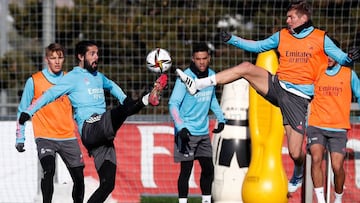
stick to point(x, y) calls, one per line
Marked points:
point(158, 60)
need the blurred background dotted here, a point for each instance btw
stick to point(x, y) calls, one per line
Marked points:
point(126, 31)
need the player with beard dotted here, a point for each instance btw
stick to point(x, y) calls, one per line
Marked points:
point(85, 87)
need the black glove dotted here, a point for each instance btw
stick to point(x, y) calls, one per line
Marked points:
point(219, 128)
point(225, 36)
point(23, 118)
point(20, 147)
point(184, 135)
point(354, 53)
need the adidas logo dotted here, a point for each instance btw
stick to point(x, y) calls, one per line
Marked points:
point(188, 81)
point(93, 119)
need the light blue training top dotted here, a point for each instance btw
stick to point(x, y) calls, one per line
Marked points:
point(27, 97)
point(85, 91)
point(192, 111)
point(272, 42)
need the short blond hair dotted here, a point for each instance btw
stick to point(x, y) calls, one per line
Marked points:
point(54, 47)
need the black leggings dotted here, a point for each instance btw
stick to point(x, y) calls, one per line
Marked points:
point(77, 175)
point(107, 173)
point(206, 177)
point(121, 112)
point(47, 181)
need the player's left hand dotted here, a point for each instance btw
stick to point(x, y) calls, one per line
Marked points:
point(354, 53)
point(184, 135)
point(23, 118)
point(20, 147)
point(225, 36)
point(219, 128)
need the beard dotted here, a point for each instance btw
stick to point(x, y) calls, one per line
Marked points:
point(92, 68)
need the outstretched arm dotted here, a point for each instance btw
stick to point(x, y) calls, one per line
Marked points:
point(259, 46)
point(345, 59)
point(62, 88)
point(114, 89)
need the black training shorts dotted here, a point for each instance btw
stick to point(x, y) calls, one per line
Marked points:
point(293, 107)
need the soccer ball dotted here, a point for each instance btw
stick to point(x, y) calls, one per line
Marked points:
point(158, 60)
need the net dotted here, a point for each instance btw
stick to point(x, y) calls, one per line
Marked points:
point(128, 30)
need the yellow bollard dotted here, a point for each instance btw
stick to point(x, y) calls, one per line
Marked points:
point(266, 180)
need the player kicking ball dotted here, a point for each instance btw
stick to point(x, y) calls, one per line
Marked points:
point(97, 126)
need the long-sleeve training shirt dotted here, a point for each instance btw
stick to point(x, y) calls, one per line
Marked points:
point(273, 41)
point(55, 121)
point(192, 111)
point(85, 91)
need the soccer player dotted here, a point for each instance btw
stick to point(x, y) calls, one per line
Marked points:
point(328, 123)
point(85, 87)
point(54, 127)
point(303, 51)
point(190, 115)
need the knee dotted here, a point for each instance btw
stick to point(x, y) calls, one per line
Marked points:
point(208, 172)
point(184, 174)
point(185, 169)
point(245, 67)
point(242, 69)
point(245, 64)
point(107, 175)
point(316, 159)
point(77, 174)
point(48, 166)
point(107, 185)
point(207, 167)
point(295, 154)
point(337, 168)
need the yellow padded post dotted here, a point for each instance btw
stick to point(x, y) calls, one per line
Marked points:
point(266, 180)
